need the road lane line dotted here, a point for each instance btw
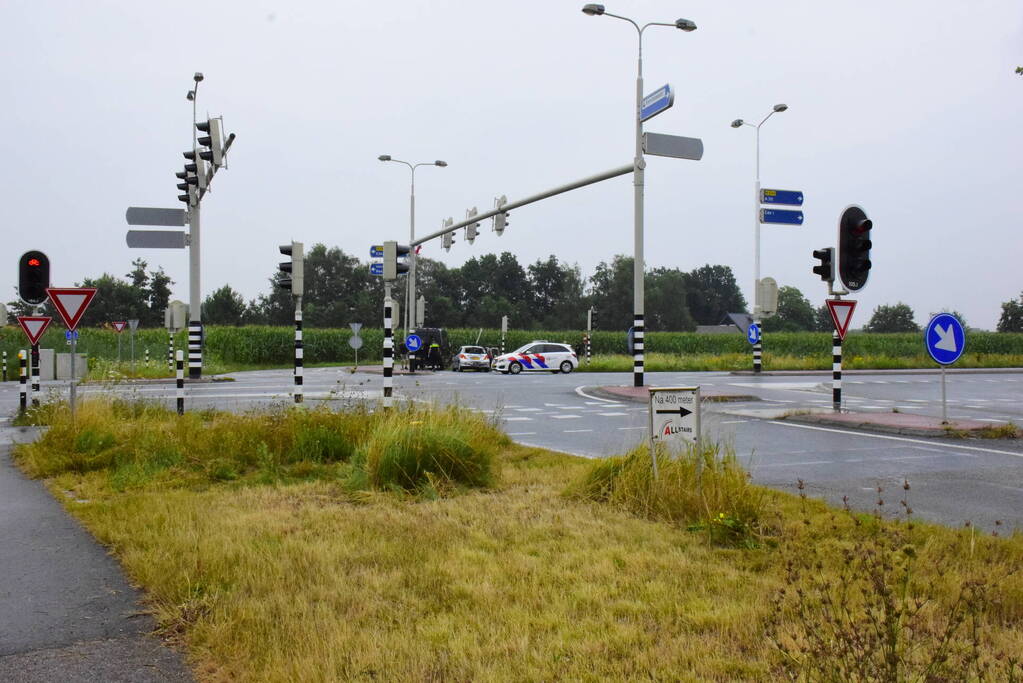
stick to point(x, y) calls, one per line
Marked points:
point(577, 431)
point(614, 414)
point(894, 438)
point(579, 390)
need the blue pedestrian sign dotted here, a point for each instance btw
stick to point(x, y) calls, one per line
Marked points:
point(376, 251)
point(781, 216)
point(70, 334)
point(787, 197)
point(656, 102)
point(413, 343)
point(945, 338)
point(753, 333)
point(376, 269)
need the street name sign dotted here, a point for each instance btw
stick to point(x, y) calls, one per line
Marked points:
point(675, 146)
point(753, 333)
point(656, 102)
point(786, 197)
point(156, 239)
point(413, 343)
point(781, 216)
point(945, 338)
point(675, 414)
point(34, 326)
point(376, 269)
point(841, 314)
point(119, 325)
point(376, 251)
point(145, 215)
point(71, 303)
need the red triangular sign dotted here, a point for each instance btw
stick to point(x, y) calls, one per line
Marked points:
point(34, 326)
point(71, 302)
point(841, 314)
point(119, 325)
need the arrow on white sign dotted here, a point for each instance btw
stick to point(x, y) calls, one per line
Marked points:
point(947, 340)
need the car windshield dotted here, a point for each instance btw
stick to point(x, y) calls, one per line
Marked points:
point(473, 349)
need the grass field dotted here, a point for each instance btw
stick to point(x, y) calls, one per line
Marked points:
point(424, 545)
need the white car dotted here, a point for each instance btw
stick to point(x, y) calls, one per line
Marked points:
point(539, 356)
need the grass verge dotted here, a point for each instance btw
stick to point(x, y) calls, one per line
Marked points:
point(269, 546)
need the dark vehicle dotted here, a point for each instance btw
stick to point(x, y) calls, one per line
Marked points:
point(434, 350)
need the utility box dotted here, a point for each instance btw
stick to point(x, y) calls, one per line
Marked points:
point(768, 296)
point(64, 365)
point(175, 316)
point(47, 365)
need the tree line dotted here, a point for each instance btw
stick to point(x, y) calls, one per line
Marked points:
point(547, 294)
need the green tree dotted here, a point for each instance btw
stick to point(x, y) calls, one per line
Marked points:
point(1011, 319)
point(667, 307)
point(159, 298)
point(712, 294)
point(557, 289)
point(115, 300)
point(895, 318)
point(795, 313)
point(224, 307)
point(822, 319)
point(611, 294)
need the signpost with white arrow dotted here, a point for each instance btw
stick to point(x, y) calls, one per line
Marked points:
point(674, 416)
point(945, 340)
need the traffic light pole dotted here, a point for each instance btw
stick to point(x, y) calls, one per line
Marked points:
point(299, 360)
point(35, 375)
point(194, 293)
point(388, 348)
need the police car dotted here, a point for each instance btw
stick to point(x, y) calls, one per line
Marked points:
point(539, 356)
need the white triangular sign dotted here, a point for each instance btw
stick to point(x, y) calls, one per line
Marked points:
point(119, 325)
point(841, 314)
point(71, 302)
point(34, 326)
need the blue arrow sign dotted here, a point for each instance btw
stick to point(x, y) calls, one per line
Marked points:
point(781, 216)
point(753, 333)
point(945, 338)
point(376, 251)
point(788, 197)
point(376, 269)
point(413, 343)
point(656, 102)
point(70, 334)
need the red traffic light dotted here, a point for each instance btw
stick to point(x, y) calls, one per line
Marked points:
point(33, 262)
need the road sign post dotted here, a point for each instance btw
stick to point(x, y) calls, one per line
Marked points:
point(71, 303)
point(674, 417)
point(945, 341)
point(841, 315)
point(133, 325)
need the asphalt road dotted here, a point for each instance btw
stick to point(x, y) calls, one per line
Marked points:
point(953, 481)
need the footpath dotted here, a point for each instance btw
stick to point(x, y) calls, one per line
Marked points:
point(67, 612)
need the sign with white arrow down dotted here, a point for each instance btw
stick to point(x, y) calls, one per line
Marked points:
point(945, 338)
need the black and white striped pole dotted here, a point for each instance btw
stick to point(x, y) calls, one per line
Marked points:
point(504, 331)
point(170, 351)
point(298, 350)
point(589, 332)
point(22, 377)
point(35, 375)
point(180, 391)
point(194, 349)
point(388, 349)
point(5, 366)
point(836, 371)
point(147, 356)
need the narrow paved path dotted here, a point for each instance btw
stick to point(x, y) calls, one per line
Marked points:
point(67, 612)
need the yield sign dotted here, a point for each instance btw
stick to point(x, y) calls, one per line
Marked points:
point(34, 326)
point(841, 314)
point(71, 302)
point(119, 325)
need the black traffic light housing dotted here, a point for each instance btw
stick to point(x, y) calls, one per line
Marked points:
point(33, 277)
point(213, 141)
point(392, 252)
point(294, 270)
point(826, 268)
point(854, 247)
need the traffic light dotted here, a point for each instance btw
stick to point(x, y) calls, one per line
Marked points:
point(293, 269)
point(194, 177)
point(392, 252)
point(448, 239)
point(854, 247)
point(33, 277)
point(826, 268)
point(500, 219)
point(472, 228)
point(213, 141)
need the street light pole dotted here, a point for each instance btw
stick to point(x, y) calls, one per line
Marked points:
point(410, 290)
point(738, 123)
point(638, 180)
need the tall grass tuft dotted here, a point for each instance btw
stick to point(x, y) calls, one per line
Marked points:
point(703, 489)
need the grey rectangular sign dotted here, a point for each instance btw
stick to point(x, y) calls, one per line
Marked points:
point(156, 239)
point(674, 146)
point(145, 215)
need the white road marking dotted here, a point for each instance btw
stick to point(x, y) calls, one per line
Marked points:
point(579, 390)
point(611, 414)
point(632, 428)
point(518, 419)
point(521, 433)
point(732, 422)
point(893, 438)
point(576, 431)
point(566, 417)
point(528, 410)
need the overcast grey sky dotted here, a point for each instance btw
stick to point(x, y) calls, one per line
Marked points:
point(910, 109)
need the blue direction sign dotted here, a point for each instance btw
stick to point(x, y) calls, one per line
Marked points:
point(782, 216)
point(753, 333)
point(787, 197)
point(656, 102)
point(376, 251)
point(945, 338)
point(376, 269)
point(413, 343)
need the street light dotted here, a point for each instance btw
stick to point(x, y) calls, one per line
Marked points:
point(738, 123)
point(593, 9)
point(410, 291)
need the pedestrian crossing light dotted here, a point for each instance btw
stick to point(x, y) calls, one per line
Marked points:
point(854, 247)
point(392, 267)
point(33, 277)
point(826, 268)
point(293, 270)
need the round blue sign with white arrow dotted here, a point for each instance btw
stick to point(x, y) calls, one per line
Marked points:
point(413, 343)
point(945, 338)
point(753, 333)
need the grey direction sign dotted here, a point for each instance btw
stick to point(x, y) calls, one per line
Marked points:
point(675, 414)
point(156, 239)
point(674, 146)
point(146, 215)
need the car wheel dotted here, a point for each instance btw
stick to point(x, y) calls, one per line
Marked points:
point(515, 368)
point(566, 367)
